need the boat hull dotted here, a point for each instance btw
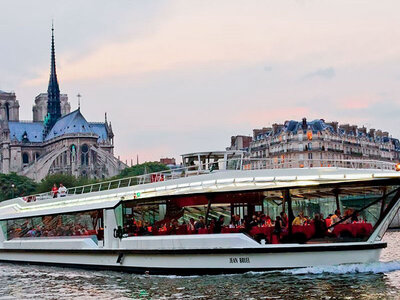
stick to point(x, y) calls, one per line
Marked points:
point(200, 261)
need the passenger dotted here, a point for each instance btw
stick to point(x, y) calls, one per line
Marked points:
point(232, 223)
point(174, 226)
point(268, 221)
point(219, 224)
point(200, 224)
point(347, 216)
point(259, 220)
point(299, 220)
point(238, 222)
point(354, 217)
point(254, 222)
point(247, 224)
point(320, 226)
point(278, 227)
point(31, 232)
point(54, 191)
point(191, 225)
point(62, 191)
point(212, 224)
point(285, 219)
point(335, 217)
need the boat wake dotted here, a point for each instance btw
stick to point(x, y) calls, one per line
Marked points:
point(377, 267)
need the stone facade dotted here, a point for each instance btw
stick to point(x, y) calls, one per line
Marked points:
point(39, 109)
point(9, 106)
point(57, 140)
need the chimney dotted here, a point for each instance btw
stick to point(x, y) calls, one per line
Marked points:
point(275, 127)
point(363, 130)
point(372, 132)
point(354, 129)
point(304, 124)
point(233, 140)
point(345, 127)
point(334, 125)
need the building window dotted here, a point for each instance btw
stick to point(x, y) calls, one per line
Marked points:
point(85, 155)
point(25, 158)
point(7, 111)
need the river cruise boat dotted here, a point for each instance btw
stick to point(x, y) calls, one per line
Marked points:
point(226, 217)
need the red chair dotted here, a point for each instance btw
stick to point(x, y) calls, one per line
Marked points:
point(203, 231)
point(275, 239)
point(182, 230)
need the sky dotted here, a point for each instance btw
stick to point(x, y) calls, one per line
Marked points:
point(182, 76)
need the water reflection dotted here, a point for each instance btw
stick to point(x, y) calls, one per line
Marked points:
point(374, 281)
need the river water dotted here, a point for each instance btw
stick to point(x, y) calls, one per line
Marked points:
point(371, 281)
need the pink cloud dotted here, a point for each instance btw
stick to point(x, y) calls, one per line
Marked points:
point(357, 102)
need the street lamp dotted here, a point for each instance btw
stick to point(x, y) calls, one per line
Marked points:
point(13, 189)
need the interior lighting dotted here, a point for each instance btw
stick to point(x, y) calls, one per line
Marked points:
point(397, 167)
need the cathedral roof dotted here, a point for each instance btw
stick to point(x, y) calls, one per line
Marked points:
point(74, 122)
point(34, 131)
point(99, 129)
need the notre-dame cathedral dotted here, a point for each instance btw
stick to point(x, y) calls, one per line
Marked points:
point(57, 140)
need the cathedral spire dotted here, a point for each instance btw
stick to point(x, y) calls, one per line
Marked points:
point(53, 91)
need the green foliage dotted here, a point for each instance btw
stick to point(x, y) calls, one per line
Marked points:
point(145, 168)
point(67, 180)
point(23, 186)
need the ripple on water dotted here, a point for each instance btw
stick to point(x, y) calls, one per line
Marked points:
point(354, 281)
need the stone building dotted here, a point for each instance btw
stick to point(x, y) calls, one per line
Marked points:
point(57, 140)
point(240, 142)
point(318, 143)
point(39, 109)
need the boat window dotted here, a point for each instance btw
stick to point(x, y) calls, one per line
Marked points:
point(347, 213)
point(88, 223)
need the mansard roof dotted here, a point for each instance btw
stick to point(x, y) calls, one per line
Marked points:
point(34, 131)
point(293, 126)
point(315, 126)
point(74, 122)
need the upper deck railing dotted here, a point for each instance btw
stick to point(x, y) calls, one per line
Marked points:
point(219, 166)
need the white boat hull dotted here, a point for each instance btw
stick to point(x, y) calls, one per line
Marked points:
point(201, 261)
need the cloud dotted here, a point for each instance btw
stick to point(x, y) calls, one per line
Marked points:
point(325, 73)
point(206, 70)
point(267, 68)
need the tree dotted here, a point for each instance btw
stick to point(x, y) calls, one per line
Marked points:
point(145, 168)
point(13, 185)
point(67, 180)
